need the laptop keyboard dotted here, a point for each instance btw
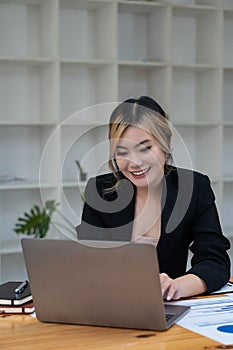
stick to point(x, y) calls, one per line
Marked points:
point(169, 316)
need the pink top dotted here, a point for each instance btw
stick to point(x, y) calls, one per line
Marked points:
point(145, 239)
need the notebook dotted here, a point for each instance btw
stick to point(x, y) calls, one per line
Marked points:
point(9, 297)
point(81, 284)
point(26, 308)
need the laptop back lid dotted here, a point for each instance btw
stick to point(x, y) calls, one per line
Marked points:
point(76, 283)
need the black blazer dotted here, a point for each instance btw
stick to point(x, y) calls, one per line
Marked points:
point(189, 221)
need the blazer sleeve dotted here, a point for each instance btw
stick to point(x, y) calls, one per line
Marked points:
point(210, 260)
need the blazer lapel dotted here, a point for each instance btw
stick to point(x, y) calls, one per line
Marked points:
point(169, 197)
point(179, 185)
point(122, 220)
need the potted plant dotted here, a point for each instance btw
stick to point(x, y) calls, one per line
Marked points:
point(82, 173)
point(37, 221)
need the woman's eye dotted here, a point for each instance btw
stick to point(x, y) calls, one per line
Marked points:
point(121, 154)
point(146, 149)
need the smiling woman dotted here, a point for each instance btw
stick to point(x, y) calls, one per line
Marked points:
point(145, 198)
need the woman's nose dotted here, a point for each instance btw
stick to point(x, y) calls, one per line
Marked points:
point(135, 161)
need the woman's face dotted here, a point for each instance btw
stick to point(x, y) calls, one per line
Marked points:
point(140, 158)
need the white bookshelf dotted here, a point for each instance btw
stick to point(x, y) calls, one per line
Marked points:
point(63, 56)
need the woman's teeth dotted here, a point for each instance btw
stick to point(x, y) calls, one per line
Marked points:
point(141, 172)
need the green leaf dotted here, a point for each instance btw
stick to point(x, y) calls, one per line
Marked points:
point(37, 222)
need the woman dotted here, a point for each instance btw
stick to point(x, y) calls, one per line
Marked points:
point(144, 199)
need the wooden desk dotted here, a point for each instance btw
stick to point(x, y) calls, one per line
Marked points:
point(22, 332)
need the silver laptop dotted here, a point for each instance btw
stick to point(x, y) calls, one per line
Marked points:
point(80, 284)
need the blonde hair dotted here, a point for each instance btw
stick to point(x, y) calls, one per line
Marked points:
point(144, 113)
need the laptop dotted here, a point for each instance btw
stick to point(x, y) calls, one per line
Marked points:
point(81, 284)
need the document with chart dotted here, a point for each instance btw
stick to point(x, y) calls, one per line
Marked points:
point(210, 316)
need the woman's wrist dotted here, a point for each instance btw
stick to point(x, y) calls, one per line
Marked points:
point(190, 285)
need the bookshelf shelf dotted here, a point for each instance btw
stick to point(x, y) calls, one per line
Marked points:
point(73, 184)
point(25, 185)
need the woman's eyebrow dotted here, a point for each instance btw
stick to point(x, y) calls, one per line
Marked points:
point(142, 142)
point(121, 147)
point(137, 145)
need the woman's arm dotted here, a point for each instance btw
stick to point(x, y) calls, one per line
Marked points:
point(210, 260)
point(210, 264)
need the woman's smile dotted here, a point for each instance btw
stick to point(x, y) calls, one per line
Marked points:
point(141, 173)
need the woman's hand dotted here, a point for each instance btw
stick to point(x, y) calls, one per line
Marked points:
point(181, 287)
